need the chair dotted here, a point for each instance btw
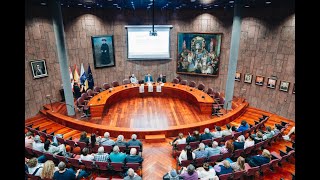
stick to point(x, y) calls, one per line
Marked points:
point(126, 81)
point(82, 107)
point(90, 93)
point(61, 158)
point(60, 140)
point(194, 145)
point(192, 84)
point(95, 148)
point(106, 86)
point(175, 81)
point(178, 148)
point(185, 163)
point(207, 141)
point(226, 138)
point(49, 156)
point(218, 140)
point(258, 145)
point(225, 176)
point(184, 82)
point(107, 149)
point(199, 161)
point(96, 90)
point(116, 166)
point(236, 135)
point(274, 163)
point(179, 78)
point(115, 83)
point(238, 153)
point(29, 151)
point(82, 144)
point(250, 171)
point(135, 166)
point(32, 177)
point(213, 159)
point(74, 162)
point(88, 164)
point(70, 143)
point(123, 149)
point(201, 87)
point(238, 174)
point(226, 155)
point(264, 168)
point(102, 166)
point(37, 153)
point(248, 150)
point(210, 92)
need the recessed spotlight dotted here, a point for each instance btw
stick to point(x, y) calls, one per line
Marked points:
point(231, 1)
point(89, 7)
point(61, 4)
point(231, 6)
point(80, 4)
point(115, 4)
point(216, 5)
point(192, 0)
point(246, 6)
point(204, 8)
point(268, 2)
point(43, 3)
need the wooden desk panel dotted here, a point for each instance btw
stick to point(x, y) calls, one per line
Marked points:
point(104, 100)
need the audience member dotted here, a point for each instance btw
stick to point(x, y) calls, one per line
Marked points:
point(133, 157)
point(120, 141)
point(217, 133)
point(201, 152)
point(179, 140)
point(132, 175)
point(85, 155)
point(116, 155)
point(259, 160)
point(227, 131)
point(287, 136)
point(268, 134)
point(84, 138)
point(206, 134)
point(34, 167)
point(171, 175)
point(227, 148)
point(249, 142)
point(106, 141)
point(37, 144)
point(186, 154)
point(244, 126)
point(239, 143)
point(194, 137)
point(48, 170)
point(65, 174)
point(214, 150)
point(223, 168)
point(28, 140)
point(206, 172)
point(135, 142)
point(239, 165)
point(189, 173)
point(258, 137)
point(101, 156)
point(49, 148)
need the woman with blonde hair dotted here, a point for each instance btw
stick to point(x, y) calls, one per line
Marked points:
point(239, 165)
point(259, 160)
point(48, 170)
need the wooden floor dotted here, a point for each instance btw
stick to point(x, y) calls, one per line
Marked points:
point(157, 156)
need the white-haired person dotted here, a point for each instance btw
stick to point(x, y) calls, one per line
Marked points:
point(132, 175)
point(105, 141)
point(37, 144)
point(101, 156)
point(206, 172)
point(65, 174)
point(49, 148)
point(189, 173)
point(201, 152)
point(227, 131)
point(85, 155)
point(206, 135)
point(217, 133)
point(179, 140)
point(223, 168)
point(120, 141)
point(133, 79)
point(239, 143)
point(133, 157)
point(116, 155)
point(28, 140)
point(214, 149)
point(135, 142)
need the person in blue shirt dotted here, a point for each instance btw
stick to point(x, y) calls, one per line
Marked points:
point(133, 157)
point(116, 155)
point(148, 78)
point(223, 168)
point(239, 143)
point(259, 160)
point(244, 126)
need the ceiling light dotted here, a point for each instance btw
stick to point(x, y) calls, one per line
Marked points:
point(43, 3)
point(231, 1)
point(246, 6)
point(192, 0)
point(206, 1)
point(80, 4)
point(268, 2)
point(216, 5)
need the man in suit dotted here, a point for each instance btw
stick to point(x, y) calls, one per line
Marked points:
point(161, 79)
point(38, 70)
point(148, 78)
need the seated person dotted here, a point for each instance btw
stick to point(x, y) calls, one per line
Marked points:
point(189, 172)
point(133, 157)
point(105, 141)
point(206, 134)
point(135, 142)
point(206, 172)
point(269, 133)
point(49, 148)
point(148, 78)
point(132, 175)
point(287, 136)
point(227, 148)
point(223, 168)
point(116, 155)
point(161, 78)
point(64, 173)
point(227, 131)
point(249, 142)
point(84, 138)
point(259, 160)
point(133, 79)
point(217, 133)
point(48, 170)
point(37, 144)
point(239, 165)
point(171, 175)
point(34, 167)
point(28, 141)
point(214, 150)
point(85, 155)
point(194, 137)
point(179, 140)
point(244, 126)
point(101, 156)
point(120, 141)
point(239, 143)
point(201, 152)
point(258, 137)
point(186, 154)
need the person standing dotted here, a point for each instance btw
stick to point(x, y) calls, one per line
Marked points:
point(38, 70)
point(105, 58)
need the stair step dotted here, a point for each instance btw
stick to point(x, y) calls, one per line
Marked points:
point(155, 138)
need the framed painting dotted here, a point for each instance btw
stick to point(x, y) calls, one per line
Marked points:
point(38, 68)
point(103, 51)
point(271, 83)
point(259, 80)
point(294, 88)
point(198, 53)
point(238, 76)
point(248, 78)
point(284, 86)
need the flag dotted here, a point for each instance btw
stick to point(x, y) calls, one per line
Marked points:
point(83, 75)
point(76, 74)
point(71, 78)
point(90, 78)
point(86, 86)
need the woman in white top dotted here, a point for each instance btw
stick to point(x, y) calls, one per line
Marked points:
point(239, 165)
point(85, 156)
point(180, 140)
point(133, 79)
point(34, 167)
point(206, 172)
point(186, 154)
point(249, 142)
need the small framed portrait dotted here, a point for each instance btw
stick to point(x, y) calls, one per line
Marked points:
point(39, 69)
point(103, 51)
point(284, 86)
point(259, 80)
point(248, 78)
point(271, 83)
point(238, 76)
point(294, 88)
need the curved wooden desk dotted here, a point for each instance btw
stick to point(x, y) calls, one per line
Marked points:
point(104, 100)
